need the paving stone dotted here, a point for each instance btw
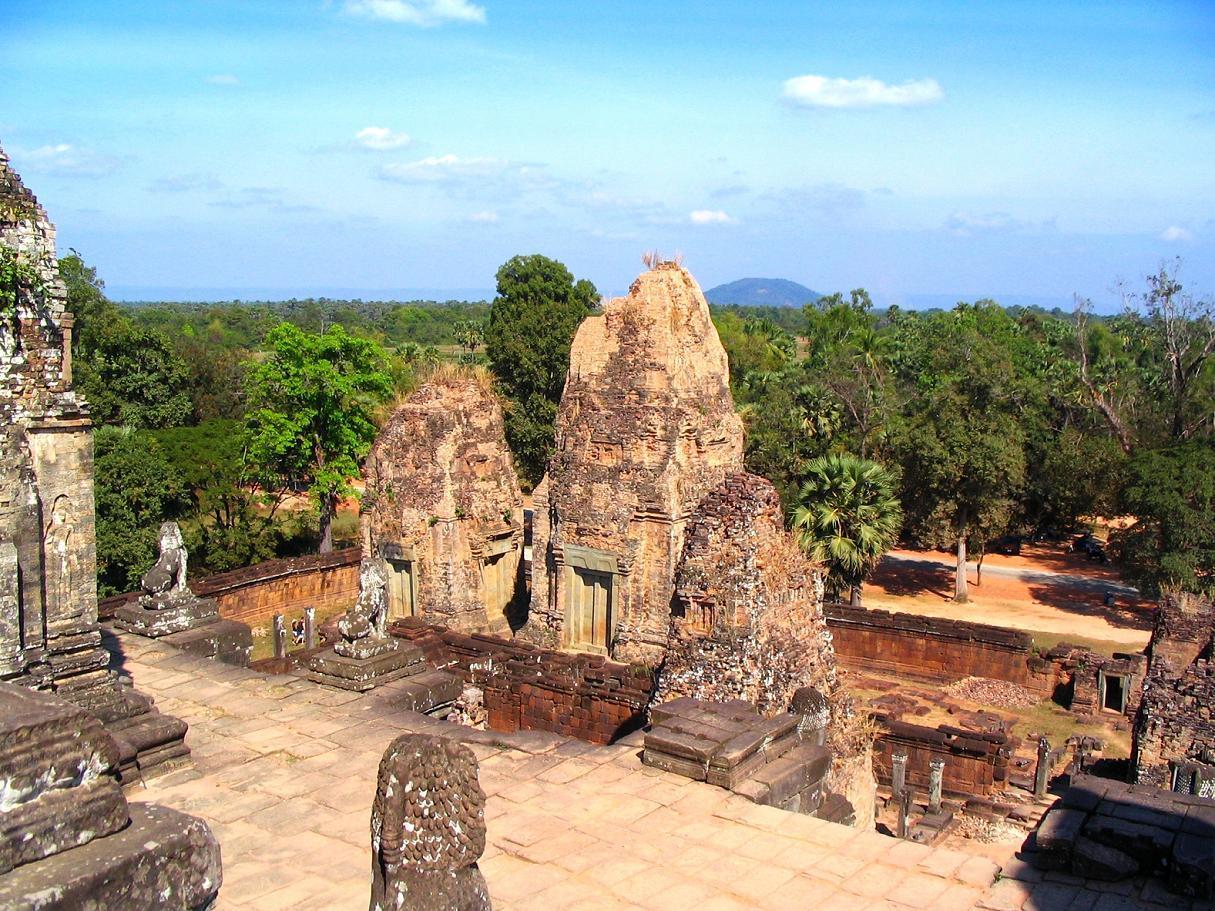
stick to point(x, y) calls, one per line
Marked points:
point(1006, 895)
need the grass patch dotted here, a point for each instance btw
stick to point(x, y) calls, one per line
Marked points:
point(1044, 641)
point(1057, 723)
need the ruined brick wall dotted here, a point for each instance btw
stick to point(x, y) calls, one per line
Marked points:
point(1176, 718)
point(442, 497)
point(535, 689)
point(975, 764)
point(49, 636)
point(929, 648)
point(747, 620)
point(254, 594)
point(645, 429)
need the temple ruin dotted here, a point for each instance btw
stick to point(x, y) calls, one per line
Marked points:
point(49, 636)
point(442, 506)
point(645, 430)
point(747, 617)
point(1174, 734)
point(71, 732)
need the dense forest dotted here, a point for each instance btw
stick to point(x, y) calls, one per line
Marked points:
point(949, 428)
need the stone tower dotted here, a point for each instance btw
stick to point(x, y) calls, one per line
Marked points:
point(747, 619)
point(645, 429)
point(49, 636)
point(442, 506)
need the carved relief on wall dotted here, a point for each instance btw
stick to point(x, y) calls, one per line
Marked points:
point(58, 555)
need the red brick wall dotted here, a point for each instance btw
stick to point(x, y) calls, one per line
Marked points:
point(928, 647)
point(254, 594)
point(974, 763)
point(534, 689)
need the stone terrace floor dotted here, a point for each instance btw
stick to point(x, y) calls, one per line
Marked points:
point(284, 772)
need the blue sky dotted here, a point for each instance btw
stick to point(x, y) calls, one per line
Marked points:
point(1013, 149)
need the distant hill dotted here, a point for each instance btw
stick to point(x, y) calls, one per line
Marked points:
point(770, 292)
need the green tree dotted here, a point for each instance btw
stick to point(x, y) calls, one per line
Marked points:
point(848, 515)
point(234, 518)
point(532, 322)
point(470, 334)
point(132, 377)
point(312, 399)
point(1171, 493)
point(962, 444)
point(1150, 372)
point(850, 357)
point(86, 300)
point(135, 488)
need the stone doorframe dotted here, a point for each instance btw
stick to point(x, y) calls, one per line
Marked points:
point(602, 562)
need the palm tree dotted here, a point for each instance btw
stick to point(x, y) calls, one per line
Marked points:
point(847, 517)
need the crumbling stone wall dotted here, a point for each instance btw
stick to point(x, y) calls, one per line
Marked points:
point(533, 689)
point(1176, 720)
point(645, 429)
point(443, 505)
point(747, 619)
point(931, 648)
point(976, 764)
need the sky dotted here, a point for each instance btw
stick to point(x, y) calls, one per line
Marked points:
point(929, 152)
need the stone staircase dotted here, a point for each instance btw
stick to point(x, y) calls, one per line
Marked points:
point(769, 761)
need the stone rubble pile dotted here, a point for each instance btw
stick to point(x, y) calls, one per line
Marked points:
point(987, 691)
point(1106, 830)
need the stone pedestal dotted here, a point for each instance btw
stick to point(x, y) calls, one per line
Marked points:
point(224, 640)
point(68, 838)
point(158, 616)
point(374, 662)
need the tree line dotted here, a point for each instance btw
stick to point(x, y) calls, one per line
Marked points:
point(949, 428)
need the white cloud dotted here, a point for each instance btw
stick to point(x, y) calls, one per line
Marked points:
point(971, 224)
point(425, 13)
point(69, 161)
point(865, 92)
point(1176, 234)
point(709, 217)
point(441, 169)
point(488, 217)
point(381, 139)
point(223, 79)
point(965, 224)
point(183, 183)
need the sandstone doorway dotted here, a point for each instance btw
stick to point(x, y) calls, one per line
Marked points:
point(401, 589)
point(590, 610)
point(498, 581)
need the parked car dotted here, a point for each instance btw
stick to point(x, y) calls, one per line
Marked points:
point(1007, 544)
point(1092, 547)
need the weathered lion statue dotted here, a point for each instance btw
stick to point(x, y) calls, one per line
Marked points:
point(428, 828)
point(167, 579)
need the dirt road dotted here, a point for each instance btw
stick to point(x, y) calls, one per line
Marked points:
point(1046, 588)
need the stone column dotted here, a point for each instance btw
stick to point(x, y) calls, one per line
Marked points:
point(936, 777)
point(898, 771)
point(905, 814)
point(1042, 773)
point(67, 320)
point(309, 628)
point(280, 637)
